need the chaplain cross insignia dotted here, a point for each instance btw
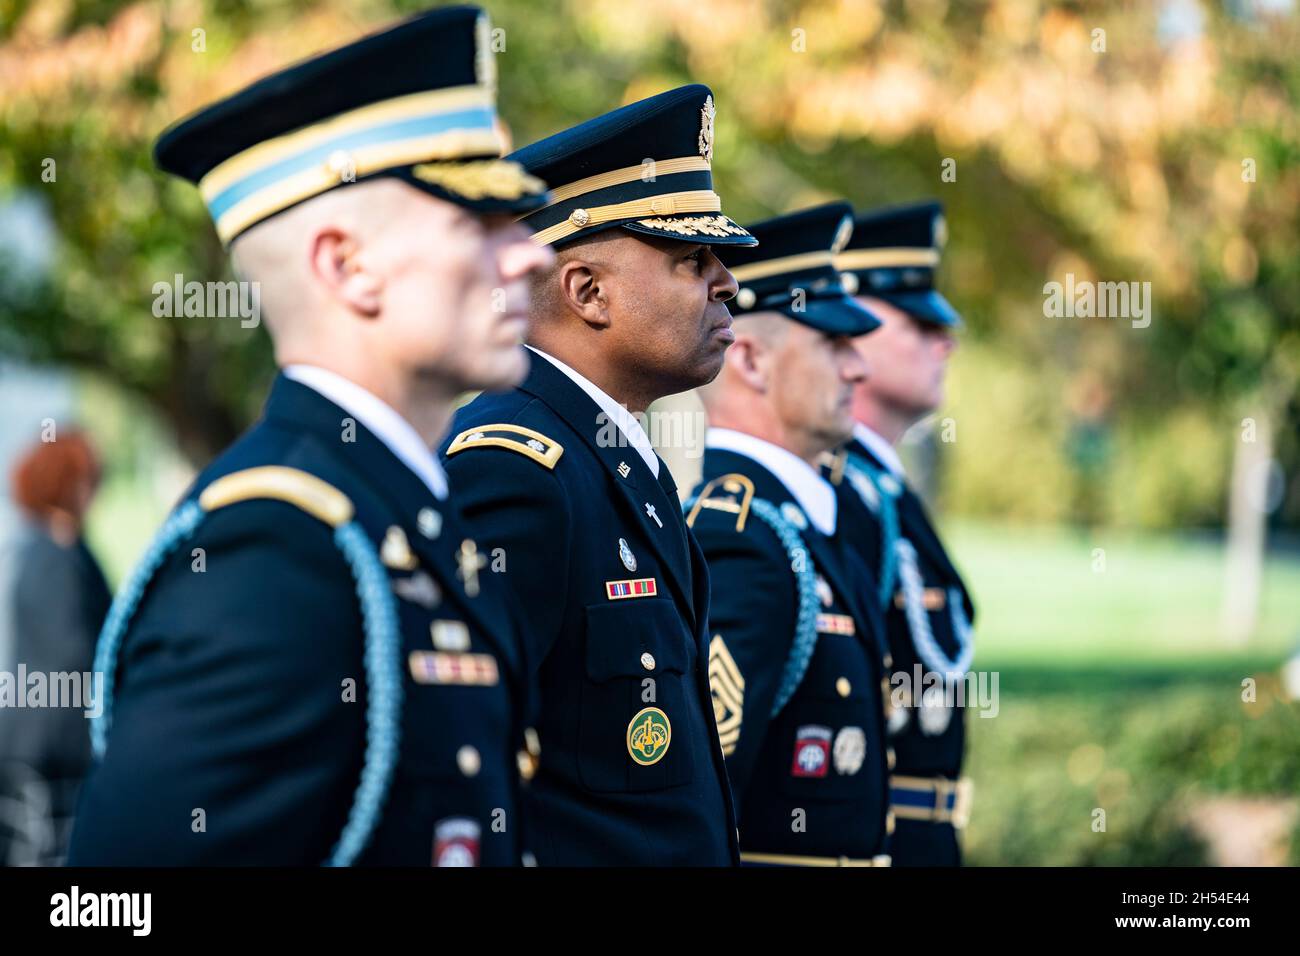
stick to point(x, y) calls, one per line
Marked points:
point(470, 562)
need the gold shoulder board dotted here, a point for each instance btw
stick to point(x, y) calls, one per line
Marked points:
point(731, 493)
point(527, 442)
point(318, 498)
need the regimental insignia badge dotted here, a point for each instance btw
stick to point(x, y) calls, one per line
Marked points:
point(850, 750)
point(940, 231)
point(624, 469)
point(812, 752)
point(620, 590)
point(396, 551)
point(649, 734)
point(707, 115)
point(625, 555)
point(727, 688)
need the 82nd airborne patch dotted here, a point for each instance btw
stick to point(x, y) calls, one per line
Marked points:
point(812, 752)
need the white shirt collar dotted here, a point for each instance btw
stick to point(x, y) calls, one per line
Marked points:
point(618, 414)
point(881, 448)
point(397, 434)
point(814, 493)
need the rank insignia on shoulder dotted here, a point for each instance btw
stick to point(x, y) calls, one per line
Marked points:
point(396, 551)
point(440, 667)
point(516, 438)
point(835, 624)
point(729, 493)
point(641, 587)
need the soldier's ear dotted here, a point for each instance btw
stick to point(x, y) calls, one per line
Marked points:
point(749, 360)
point(581, 292)
point(336, 265)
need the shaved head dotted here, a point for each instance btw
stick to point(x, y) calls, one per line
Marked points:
point(273, 252)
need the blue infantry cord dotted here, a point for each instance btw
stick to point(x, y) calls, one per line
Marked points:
point(805, 576)
point(886, 493)
point(179, 524)
point(382, 657)
point(918, 619)
point(384, 680)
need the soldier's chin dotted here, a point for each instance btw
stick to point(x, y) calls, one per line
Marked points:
point(710, 363)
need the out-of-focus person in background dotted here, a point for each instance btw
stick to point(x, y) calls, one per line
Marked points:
point(54, 603)
point(890, 261)
point(797, 656)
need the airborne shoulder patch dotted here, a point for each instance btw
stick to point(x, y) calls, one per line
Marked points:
point(531, 444)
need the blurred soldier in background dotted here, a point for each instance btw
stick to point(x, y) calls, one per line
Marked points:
point(55, 603)
point(797, 651)
point(890, 262)
point(308, 667)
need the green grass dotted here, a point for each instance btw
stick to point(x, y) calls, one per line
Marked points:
point(1157, 601)
point(1117, 693)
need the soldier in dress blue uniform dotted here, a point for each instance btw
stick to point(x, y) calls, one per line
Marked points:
point(579, 514)
point(890, 264)
point(796, 653)
point(308, 667)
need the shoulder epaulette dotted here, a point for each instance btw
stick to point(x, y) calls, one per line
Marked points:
point(730, 493)
point(531, 444)
point(318, 498)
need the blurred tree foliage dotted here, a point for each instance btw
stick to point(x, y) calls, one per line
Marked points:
point(1162, 149)
point(1152, 748)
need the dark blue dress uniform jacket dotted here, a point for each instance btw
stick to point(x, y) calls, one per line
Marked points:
point(566, 528)
point(230, 682)
point(919, 753)
point(824, 753)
